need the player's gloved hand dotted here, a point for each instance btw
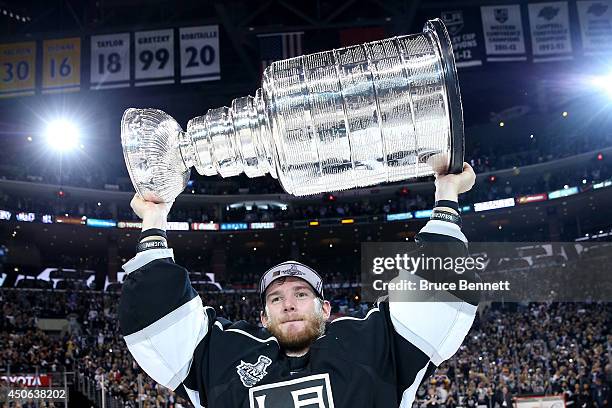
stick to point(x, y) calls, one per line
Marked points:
point(153, 215)
point(449, 186)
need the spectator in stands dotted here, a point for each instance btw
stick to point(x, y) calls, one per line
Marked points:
point(504, 399)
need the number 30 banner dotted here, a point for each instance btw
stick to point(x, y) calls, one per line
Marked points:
point(110, 61)
point(61, 65)
point(199, 53)
point(17, 69)
point(154, 58)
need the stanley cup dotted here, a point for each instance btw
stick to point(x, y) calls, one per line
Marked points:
point(379, 112)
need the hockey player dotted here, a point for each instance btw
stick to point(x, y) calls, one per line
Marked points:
point(297, 359)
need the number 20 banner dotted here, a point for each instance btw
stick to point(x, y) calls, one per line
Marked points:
point(110, 61)
point(199, 53)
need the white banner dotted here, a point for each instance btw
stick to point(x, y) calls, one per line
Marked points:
point(503, 33)
point(595, 26)
point(154, 57)
point(110, 61)
point(199, 53)
point(550, 31)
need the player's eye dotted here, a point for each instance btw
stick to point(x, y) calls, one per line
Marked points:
point(275, 299)
point(301, 294)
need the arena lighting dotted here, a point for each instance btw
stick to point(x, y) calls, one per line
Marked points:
point(62, 135)
point(603, 83)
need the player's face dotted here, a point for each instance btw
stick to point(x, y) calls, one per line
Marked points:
point(294, 314)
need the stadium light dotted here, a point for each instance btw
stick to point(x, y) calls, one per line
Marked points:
point(603, 82)
point(62, 135)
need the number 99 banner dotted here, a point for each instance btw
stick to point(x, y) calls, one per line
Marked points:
point(199, 53)
point(110, 61)
point(17, 69)
point(154, 57)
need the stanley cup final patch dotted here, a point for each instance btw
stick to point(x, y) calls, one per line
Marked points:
point(251, 374)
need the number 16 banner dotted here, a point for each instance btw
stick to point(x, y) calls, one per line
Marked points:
point(110, 61)
point(61, 65)
point(199, 53)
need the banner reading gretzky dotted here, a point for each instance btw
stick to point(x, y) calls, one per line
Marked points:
point(503, 33)
point(154, 57)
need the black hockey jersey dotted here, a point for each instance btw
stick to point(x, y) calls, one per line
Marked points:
point(375, 361)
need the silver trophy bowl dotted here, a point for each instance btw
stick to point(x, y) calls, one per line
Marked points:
point(373, 113)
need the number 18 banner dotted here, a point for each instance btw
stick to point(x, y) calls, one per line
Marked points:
point(154, 57)
point(110, 61)
point(199, 53)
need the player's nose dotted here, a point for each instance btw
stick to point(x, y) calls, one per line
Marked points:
point(288, 304)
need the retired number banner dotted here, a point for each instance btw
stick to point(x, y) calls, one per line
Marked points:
point(110, 61)
point(595, 26)
point(154, 57)
point(199, 53)
point(550, 31)
point(503, 33)
point(61, 65)
point(18, 69)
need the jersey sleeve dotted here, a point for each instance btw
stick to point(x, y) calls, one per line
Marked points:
point(436, 328)
point(164, 324)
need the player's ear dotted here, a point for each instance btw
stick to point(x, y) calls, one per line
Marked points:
point(264, 318)
point(326, 309)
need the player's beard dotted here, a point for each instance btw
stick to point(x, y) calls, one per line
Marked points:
point(314, 328)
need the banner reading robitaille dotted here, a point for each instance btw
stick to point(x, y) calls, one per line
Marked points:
point(199, 53)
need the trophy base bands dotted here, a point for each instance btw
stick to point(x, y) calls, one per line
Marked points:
point(33, 394)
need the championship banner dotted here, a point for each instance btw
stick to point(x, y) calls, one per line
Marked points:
point(199, 53)
point(154, 57)
point(110, 61)
point(18, 69)
point(550, 31)
point(595, 26)
point(503, 33)
point(464, 30)
point(61, 65)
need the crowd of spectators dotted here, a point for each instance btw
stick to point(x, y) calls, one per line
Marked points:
point(511, 350)
point(403, 201)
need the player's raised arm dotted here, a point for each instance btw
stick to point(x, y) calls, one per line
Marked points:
point(437, 328)
point(161, 316)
